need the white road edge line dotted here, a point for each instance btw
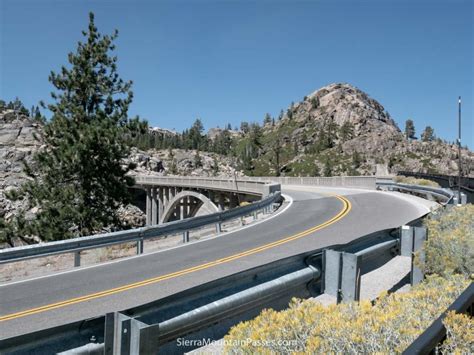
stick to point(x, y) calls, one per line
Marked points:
point(286, 197)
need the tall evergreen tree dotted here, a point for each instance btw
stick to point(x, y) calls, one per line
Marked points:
point(267, 120)
point(276, 147)
point(314, 102)
point(79, 181)
point(409, 129)
point(428, 134)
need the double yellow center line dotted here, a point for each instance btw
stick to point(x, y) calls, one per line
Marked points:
point(343, 212)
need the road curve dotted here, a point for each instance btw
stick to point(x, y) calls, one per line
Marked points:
point(317, 218)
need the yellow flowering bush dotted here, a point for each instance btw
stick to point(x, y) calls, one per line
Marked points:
point(450, 245)
point(460, 334)
point(414, 181)
point(389, 325)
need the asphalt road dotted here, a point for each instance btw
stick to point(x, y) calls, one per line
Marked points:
point(313, 220)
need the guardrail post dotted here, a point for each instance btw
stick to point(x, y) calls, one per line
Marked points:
point(412, 239)
point(140, 246)
point(218, 228)
point(342, 275)
point(77, 258)
point(128, 336)
point(185, 236)
point(255, 215)
point(113, 333)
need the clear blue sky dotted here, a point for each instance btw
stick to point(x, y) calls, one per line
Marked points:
point(228, 61)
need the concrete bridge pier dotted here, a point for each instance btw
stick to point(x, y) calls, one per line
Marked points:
point(154, 206)
point(221, 203)
point(234, 201)
point(148, 206)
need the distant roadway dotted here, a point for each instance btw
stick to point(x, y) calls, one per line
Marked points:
point(315, 218)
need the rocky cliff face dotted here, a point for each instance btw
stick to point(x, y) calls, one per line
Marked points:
point(364, 139)
point(17, 145)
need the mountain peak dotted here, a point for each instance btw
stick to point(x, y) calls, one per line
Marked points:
point(341, 103)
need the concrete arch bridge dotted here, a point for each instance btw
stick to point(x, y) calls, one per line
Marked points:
point(174, 198)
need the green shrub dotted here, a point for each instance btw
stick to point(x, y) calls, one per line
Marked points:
point(450, 245)
point(388, 326)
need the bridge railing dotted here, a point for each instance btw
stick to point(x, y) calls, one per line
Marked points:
point(365, 182)
point(255, 184)
point(225, 184)
point(138, 235)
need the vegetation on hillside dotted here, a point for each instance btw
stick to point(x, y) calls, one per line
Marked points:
point(450, 245)
point(392, 322)
point(78, 181)
point(262, 151)
point(387, 326)
point(415, 181)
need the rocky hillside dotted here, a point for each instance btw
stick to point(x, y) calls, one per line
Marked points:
point(17, 144)
point(182, 162)
point(340, 130)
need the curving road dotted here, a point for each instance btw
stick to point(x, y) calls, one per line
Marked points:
point(313, 220)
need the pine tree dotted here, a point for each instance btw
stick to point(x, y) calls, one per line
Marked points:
point(347, 131)
point(244, 127)
point(267, 120)
point(328, 167)
point(79, 181)
point(37, 115)
point(280, 116)
point(255, 136)
point(196, 139)
point(197, 160)
point(276, 148)
point(409, 129)
point(215, 166)
point(428, 134)
point(314, 102)
point(315, 170)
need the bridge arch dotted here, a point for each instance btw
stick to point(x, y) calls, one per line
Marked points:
point(201, 200)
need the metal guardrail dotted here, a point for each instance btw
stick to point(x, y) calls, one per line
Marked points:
point(137, 235)
point(427, 342)
point(467, 182)
point(446, 195)
point(195, 311)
